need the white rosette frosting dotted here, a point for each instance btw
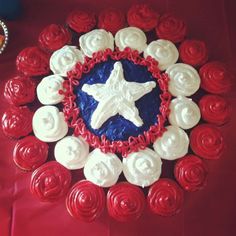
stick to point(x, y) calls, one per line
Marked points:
point(163, 51)
point(184, 79)
point(184, 113)
point(96, 40)
point(49, 124)
point(71, 152)
point(102, 169)
point(64, 59)
point(173, 144)
point(142, 168)
point(131, 37)
point(48, 90)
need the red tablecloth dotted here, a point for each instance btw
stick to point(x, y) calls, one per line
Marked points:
point(211, 211)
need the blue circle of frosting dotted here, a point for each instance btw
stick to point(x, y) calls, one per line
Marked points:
point(118, 128)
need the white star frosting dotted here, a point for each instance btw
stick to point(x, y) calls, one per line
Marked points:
point(117, 96)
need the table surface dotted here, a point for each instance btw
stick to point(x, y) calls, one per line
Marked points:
point(211, 211)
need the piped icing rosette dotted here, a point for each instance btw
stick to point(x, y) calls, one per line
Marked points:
point(102, 169)
point(215, 109)
point(131, 37)
point(165, 197)
point(64, 59)
point(184, 79)
point(191, 173)
point(96, 40)
point(49, 124)
point(142, 168)
point(71, 152)
point(85, 201)
point(207, 141)
point(125, 202)
point(48, 90)
point(184, 113)
point(173, 144)
point(30, 153)
point(50, 181)
point(164, 51)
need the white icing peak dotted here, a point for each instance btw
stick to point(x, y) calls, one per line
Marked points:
point(131, 37)
point(142, 168)
point(48, 90)
point(64, 59)
point(117, 96)
point(173, 144)
point(96, 40)
point(184, 80)
point(49, 124)
point(71, 152)
point(163, 51)
point(184, 113)
point(102, 169)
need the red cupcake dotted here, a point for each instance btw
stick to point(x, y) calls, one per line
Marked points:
point(85, 201)
point(143, 17)
point(191, 173)
point(125, 202)
point(193, 52)
point(215, 109)
point(207, 141)
point(30, 153)
point(19, 90)
point(54, 37)
point(50, 182)
point(215, 77)
point(165, 197)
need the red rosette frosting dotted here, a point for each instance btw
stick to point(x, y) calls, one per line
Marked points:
point(17, 122)
point(165, 197)
point(85, 201)
point(81, 21)
point(125, 202)
point(215, 109)
point(171, 28)
point(32, 61)
point(54, 37)
point(207, 141)
point(193, 52)
point(215, 77)
point(191, 173)
point(111, 20)
point(30, 153)
point(143, 17)
point(19, 90)
point(50, 181)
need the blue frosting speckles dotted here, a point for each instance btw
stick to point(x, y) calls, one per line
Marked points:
point(118, 128)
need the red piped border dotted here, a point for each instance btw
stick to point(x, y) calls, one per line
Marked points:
point(71, 111)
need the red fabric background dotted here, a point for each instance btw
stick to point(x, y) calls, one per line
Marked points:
point(211, 211)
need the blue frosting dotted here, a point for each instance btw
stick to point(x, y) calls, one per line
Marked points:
point(117, 127)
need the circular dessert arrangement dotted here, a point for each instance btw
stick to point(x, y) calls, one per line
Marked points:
point(119, 99)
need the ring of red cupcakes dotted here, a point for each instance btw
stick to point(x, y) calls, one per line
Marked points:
point(125, 202)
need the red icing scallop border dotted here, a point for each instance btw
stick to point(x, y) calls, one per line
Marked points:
point(71, 111)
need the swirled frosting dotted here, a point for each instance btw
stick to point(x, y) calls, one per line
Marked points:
point(48, 90)
point(184, 79)
point(173, 144)
point(49, 124)
point(184, 113)
point(102, 169)
point(64, 59)
point(71, 152)
point(164, 51)
point(96, 40)
point(131, 37)
point(142, 168)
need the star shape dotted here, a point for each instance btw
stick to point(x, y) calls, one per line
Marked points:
point(117, 96)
